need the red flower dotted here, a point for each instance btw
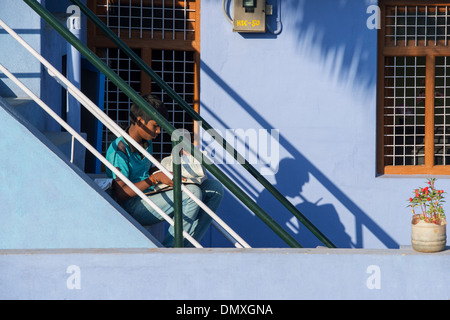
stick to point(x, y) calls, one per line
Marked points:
point(410, 199)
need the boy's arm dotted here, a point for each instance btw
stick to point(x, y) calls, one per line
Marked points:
point(120, 160)
point(124, 192)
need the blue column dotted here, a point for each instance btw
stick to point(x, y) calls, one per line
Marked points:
point(74, 69)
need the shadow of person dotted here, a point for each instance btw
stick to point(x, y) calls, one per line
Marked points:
point(290, 181)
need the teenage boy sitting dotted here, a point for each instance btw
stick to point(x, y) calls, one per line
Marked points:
point(136, 168)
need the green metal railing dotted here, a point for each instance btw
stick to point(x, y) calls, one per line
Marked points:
point(177, 208)
point(214, 170)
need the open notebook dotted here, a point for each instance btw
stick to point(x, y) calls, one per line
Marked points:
point(191, 170)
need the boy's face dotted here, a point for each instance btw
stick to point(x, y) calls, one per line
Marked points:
point(149, 130)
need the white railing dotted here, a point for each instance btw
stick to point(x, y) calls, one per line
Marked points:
point(116, 130)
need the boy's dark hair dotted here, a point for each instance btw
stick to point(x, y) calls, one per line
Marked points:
point(136, 112)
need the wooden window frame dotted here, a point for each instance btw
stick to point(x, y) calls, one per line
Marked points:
point(430, 52)
point(96, 40)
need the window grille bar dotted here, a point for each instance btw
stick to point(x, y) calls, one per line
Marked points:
point(118, 19)
point(153, 20)
point(107, 13)
point(163, 17)
point(395, 109)
point(415, 113)
point(129, 20)
point(426, 26)
point(406, 26)
point(415, 32)
point(435, 25)
point(445, 112)
point(173, 19)
point(184, 20)
point(141, 19)
point(446, 25)
point(395, 24)
point(404, 112)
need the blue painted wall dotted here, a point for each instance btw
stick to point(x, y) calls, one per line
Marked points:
point(28, 25)
point(45, 40)
point(316, 83)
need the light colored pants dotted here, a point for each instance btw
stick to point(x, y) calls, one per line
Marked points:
point(195, 220)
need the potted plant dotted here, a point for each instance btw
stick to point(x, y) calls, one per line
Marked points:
point(428, 233)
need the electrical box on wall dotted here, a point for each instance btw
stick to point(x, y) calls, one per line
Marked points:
point(249, 16)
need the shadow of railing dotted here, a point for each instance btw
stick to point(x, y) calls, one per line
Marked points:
point(361, 218)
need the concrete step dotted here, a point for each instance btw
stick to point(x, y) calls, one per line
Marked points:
point(63, 140)
point(158, 230)
point(49, 203)
point(29, 110)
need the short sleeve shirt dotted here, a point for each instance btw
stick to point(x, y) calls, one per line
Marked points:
point(129, 161)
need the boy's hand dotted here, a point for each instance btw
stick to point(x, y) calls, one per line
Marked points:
point(162, 178)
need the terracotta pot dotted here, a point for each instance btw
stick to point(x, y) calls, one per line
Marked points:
point(428, 237)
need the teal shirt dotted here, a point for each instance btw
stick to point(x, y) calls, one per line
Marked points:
point(129, 161)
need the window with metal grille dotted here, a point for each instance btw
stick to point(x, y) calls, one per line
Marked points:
point(413, 86)
point(117, 104)
point(175, 19)
point(442, 112)
point(173, 53)
point(404, 111)
point(176, 68)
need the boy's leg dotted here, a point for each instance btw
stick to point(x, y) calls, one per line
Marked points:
point(146, 215)
point(190, 211)
point(212, 193)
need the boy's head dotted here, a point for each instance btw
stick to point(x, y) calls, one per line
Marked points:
point(136, 112)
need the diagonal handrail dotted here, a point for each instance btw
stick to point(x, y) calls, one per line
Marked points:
point(205, 125)
point(136, 98)
point(114, 128)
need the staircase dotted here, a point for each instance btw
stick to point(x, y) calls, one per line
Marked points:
point(48, 202)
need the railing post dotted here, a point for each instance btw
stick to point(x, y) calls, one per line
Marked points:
point(177, 205)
